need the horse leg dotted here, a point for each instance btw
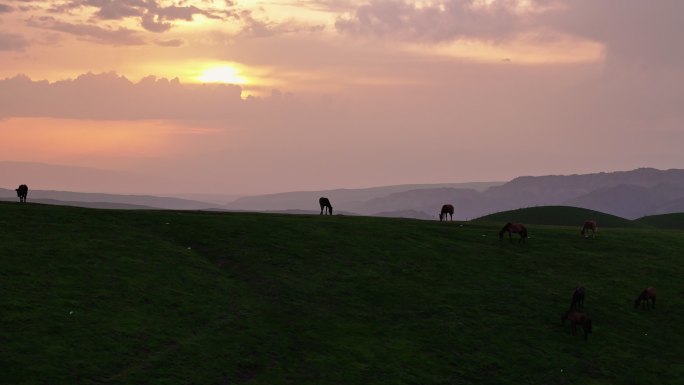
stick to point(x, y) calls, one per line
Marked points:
point(653, 302)
point(321, 210)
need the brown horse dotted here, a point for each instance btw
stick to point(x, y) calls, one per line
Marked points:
point(577, 318)
point(577, 302)
point(589, 225)
point(22, 192)
point(648, 294)
point(516, 228)
point(446, 209)
point(325, 204)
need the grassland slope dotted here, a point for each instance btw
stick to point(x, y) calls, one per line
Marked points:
point(663, 221)
point(162, 297)
point(557, 216)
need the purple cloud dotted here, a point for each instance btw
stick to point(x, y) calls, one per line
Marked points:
point(12, 42)
point(119, 36)
point(153, 16)
point(437, 22)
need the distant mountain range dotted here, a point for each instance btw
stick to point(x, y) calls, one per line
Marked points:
point(628, 194)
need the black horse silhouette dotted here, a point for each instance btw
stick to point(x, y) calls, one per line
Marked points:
point(648, 294)
point(514, 228)
point(589, 225)
point(22, 192)
point(446, 209)
point(577, 318)
point(325, 204)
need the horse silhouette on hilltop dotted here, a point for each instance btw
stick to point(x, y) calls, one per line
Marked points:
point(22, 192)
point(325, 204)
point(446, 209)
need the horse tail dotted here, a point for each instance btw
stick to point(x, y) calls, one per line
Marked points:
point(523, 231)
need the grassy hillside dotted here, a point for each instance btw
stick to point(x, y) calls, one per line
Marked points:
point(664, 221)
point(557, 216)
point(158, 297)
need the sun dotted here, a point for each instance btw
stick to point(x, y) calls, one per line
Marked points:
point(221, 74)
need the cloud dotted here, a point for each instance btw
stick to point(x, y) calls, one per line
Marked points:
point(118, 36)
point(170, 43)
point(153, 16)
point(12, 42)
point(253, 27)
point(110, 96)
point(632, 31)
point(436, 22)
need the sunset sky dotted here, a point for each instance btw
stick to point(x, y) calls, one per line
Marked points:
point(258, 96)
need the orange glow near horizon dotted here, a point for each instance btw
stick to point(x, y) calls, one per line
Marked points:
point(48, 140)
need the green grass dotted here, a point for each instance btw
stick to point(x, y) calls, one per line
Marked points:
point(557, 216)
point(162, 297)
point(664, 221)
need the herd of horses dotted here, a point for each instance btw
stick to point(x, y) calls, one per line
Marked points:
point(575, 314)
point(577, 317)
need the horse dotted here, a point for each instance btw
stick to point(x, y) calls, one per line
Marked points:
point(577, 302)
point(325, 204)
point(514, 228)
point(589, 225)
point(446, 209)
point(648, 294)
point(577, 318)
point(22, 192)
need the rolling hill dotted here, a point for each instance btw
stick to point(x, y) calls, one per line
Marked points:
point(167, 297)
point(663, 221)
point(557, 216)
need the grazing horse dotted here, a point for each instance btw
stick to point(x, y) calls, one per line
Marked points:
point(514, 228)
point(589, 225)
point(22, 192)
point(577, 302)
point(446, 209)
point(577, 318)
point(325, 204)
point(648, 294)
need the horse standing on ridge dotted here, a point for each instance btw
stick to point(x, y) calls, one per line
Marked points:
point(446, 209)
point(325, 204)
point(517, 228)
point(648, 294)
point(589, 225)
point(22, 192)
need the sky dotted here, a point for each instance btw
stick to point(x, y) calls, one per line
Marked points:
point(247, 97)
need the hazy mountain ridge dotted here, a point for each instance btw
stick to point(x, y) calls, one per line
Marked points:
point(350, 199)
point(101, 200)
point(628, 194)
